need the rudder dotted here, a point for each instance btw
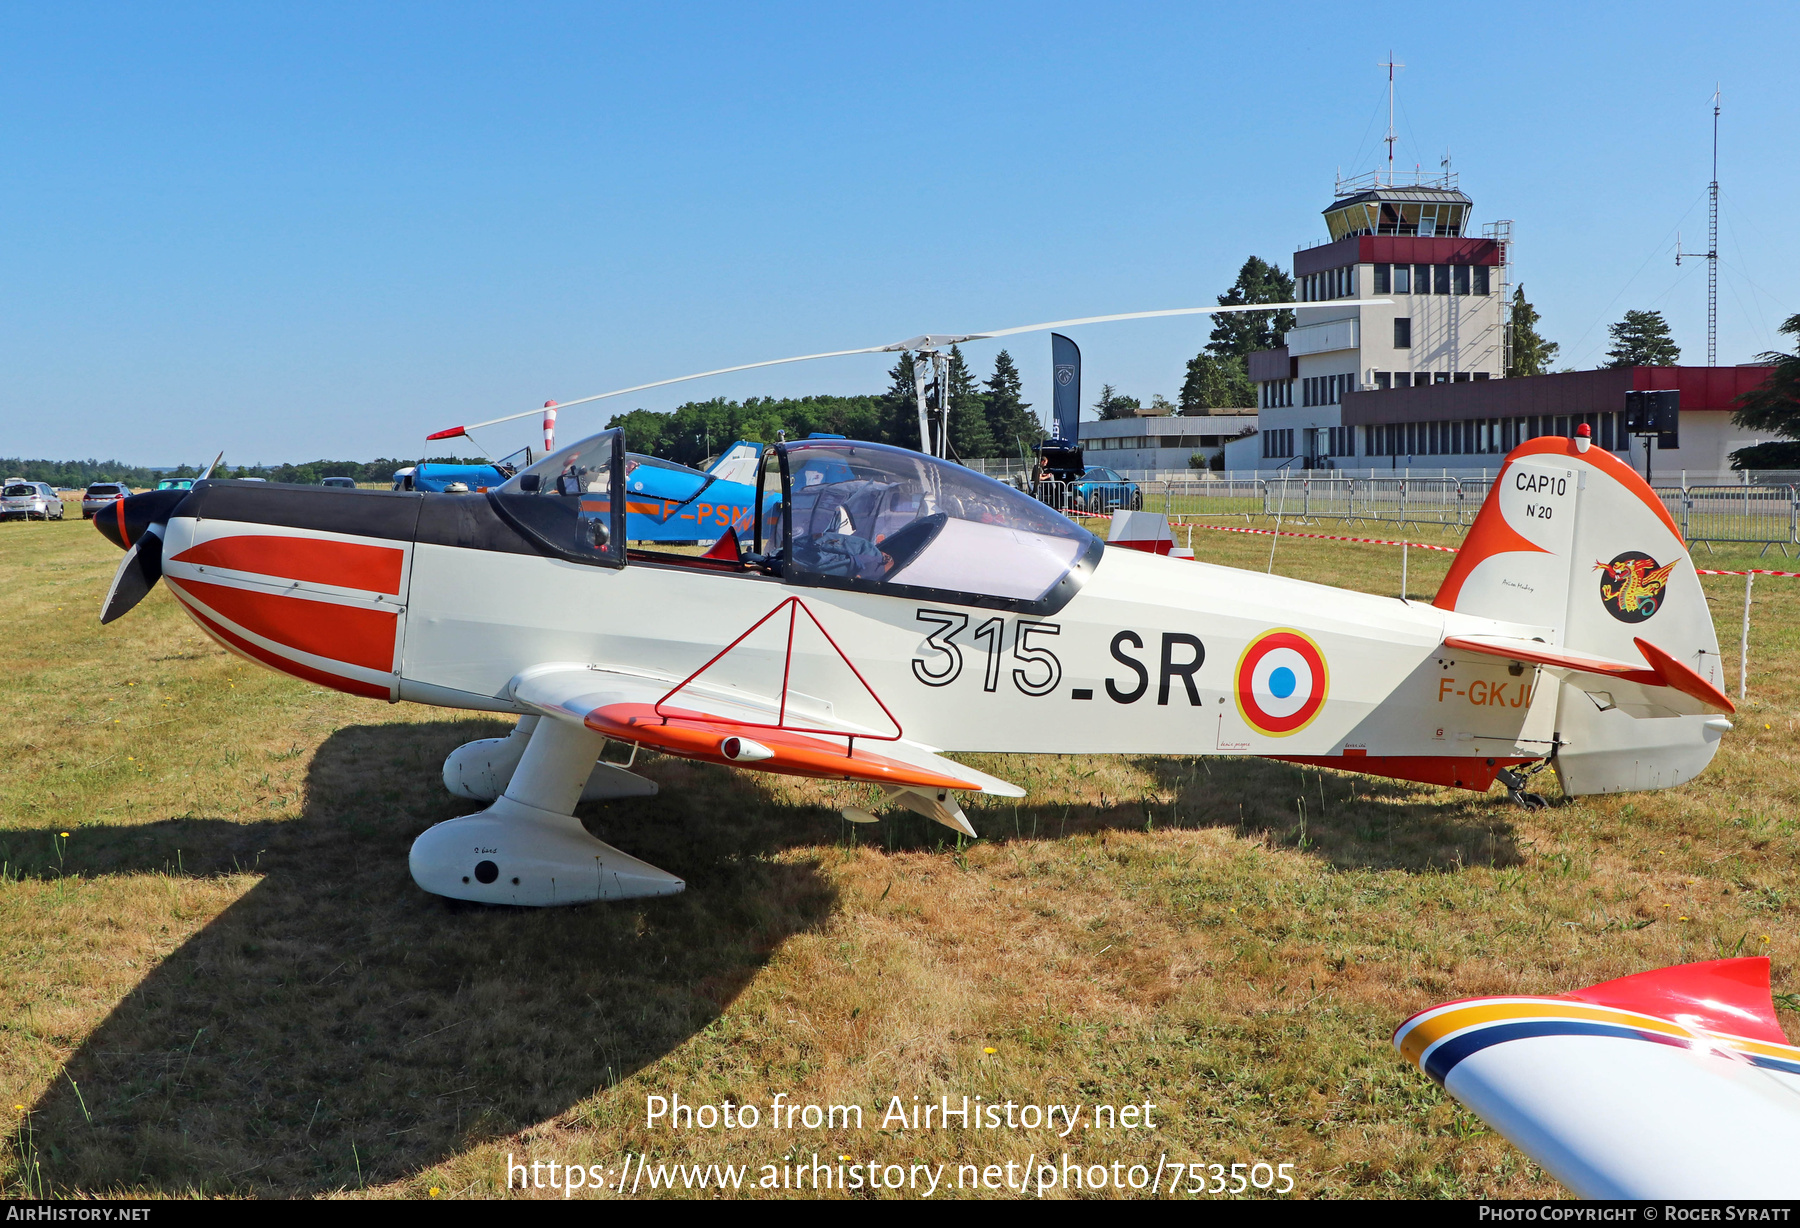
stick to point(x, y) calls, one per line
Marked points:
point(1572, 543)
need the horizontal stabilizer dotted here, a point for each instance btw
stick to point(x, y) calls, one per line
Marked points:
point(1657, 669)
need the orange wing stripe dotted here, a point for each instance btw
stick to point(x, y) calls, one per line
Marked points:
point(342, 633)
point(696, 735)
point(373, 568)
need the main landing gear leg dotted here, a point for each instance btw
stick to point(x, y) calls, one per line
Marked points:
point(528, 848)
point(1515, 782)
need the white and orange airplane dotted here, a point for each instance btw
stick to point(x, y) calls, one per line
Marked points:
point(893, 606)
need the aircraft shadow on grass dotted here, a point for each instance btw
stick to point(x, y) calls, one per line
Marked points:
point(336, 1025)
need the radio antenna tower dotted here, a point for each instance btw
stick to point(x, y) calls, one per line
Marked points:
point(1711, 254)
point(1390, 66)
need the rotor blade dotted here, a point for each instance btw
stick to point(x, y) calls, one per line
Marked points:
point(138, 573)
point(679, 379)
point(1177, 311)
point(928, 339)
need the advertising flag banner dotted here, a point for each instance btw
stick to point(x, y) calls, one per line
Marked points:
point(1065, 357)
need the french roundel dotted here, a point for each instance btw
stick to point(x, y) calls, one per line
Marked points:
point(1281, 683)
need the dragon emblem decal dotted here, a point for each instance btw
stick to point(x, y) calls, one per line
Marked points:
point(1631, 586)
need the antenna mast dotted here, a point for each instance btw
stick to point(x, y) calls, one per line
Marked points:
point(1711, 254)
point(1390, 66)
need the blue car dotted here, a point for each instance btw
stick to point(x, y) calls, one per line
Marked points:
point(1100, 490)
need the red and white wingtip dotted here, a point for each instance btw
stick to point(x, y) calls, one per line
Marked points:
point(1673, 1083)
point(1146, 531)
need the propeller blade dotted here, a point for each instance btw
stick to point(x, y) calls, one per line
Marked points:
point(138, 573)
point(927, 340)
point(211, 467)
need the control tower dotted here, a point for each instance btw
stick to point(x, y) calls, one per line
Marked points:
point(1403, 238)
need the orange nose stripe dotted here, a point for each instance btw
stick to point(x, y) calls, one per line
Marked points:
point(345, 564)
point(341, 633)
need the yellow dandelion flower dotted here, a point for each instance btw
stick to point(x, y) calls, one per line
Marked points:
point(65, 836)
point(1682, 918)
point(990, 1049)
point(434, 1191)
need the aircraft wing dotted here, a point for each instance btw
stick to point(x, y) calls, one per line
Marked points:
point(1677, 1083)
point(1656, 686)
point(738, 728)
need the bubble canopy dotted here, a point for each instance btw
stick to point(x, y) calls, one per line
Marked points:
point(885, 519)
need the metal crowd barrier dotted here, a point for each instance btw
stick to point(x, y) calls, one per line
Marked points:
point(1749, 514)
point(1766, 514)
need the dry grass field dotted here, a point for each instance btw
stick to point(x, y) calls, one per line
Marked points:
point(217, 978)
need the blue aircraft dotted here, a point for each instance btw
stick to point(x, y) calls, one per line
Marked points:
point(665, 503)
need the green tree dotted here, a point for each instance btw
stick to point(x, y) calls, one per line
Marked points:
point(1773, 406)
point(1642, 339)
point(1216, 383)
point(900, 406)
point(1241, 333)
point(1010, 422)
point(1531, 354)
point(1114, 404)
point(969, 433)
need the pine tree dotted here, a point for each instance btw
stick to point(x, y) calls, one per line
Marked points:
point(969, 434)
point(1113, 404)
point(900, 407)
point(1010, 425)
point(1531, 354)
point(1642, 339)
point(1241, 333)
point(1774, 406)
point(1216, 383)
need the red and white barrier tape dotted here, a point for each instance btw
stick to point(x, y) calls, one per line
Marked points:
point(1382, 541)
point(1367, 541)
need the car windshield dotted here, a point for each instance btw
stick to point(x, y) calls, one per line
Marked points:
point(872, 515)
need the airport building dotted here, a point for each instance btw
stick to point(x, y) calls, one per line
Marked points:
point(1161, 443)
point(1418, 380)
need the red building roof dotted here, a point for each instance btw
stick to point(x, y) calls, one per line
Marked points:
point(1702, 389)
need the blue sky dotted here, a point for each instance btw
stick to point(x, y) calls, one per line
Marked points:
point(305, 231)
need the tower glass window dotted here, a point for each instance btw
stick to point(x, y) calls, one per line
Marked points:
point(1403, 333)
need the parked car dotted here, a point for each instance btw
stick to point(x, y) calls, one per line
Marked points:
point(339, 483)
point(30, 501)
point(1102, 490)
point(100, 496)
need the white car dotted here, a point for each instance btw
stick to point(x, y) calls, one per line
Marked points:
point(30, 501)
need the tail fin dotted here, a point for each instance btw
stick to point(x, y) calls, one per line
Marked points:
point(1572, 544)
point(738, 463)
